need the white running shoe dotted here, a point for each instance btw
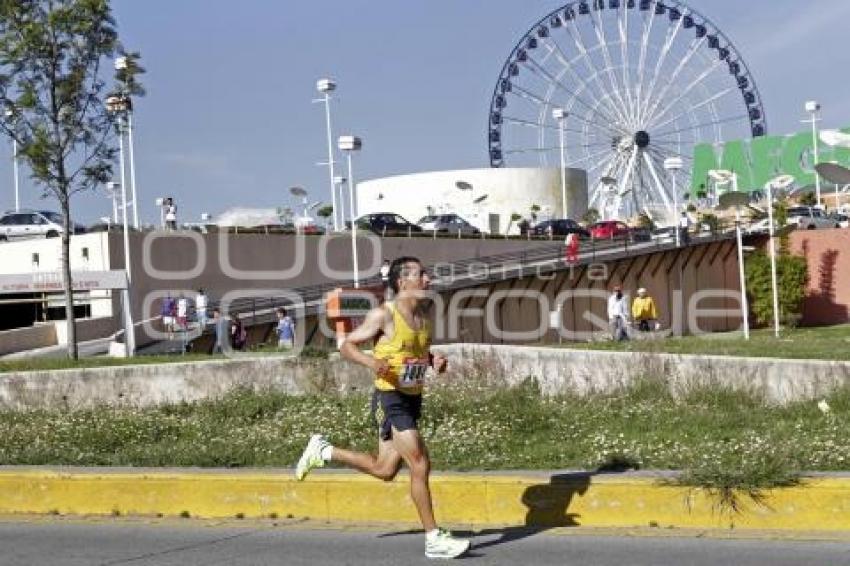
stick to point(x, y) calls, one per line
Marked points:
point(312, 456)
point(444, 545)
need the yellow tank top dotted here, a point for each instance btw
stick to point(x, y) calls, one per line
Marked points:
point(407, 354)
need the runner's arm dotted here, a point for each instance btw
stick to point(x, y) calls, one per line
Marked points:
point(372, 325)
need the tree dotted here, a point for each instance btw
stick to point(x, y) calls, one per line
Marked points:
point(591, 216)
point(535, 208)
point(325, 212)
point(792, 278)
point(52, 95)
point(809, 199)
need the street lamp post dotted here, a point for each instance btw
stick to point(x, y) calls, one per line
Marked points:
point(674, 165)
point(560, 116)
point(326, 87)
point(118, 105)
point(160, 202)
point(121, 64)
point(350, 144)
point(813, 107)
point(778, 183)
point(10, 114)
point(339, 181)
point(112, 187)
point(736, 200)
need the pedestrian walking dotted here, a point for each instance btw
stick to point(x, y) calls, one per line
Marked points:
point(201, 305)
point(571, 244)
point(618, 314)
point(170, 214)
point(644, 312)
point(285, 330)
point(182, 312)
point(684, 228)
point(221, 329)
point(401, 356)
point(385, 273)
point(168, 314)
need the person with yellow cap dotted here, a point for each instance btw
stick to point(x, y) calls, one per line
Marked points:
point(644, 311)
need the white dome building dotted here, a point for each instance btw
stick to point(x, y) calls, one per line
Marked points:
point(485, 197)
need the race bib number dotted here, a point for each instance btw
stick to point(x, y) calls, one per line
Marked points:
point(412, 372)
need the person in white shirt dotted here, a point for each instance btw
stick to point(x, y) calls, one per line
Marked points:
point(618, 314)
point(182, 311)
point(201, 304)
point(171, 214)
point(684, 227)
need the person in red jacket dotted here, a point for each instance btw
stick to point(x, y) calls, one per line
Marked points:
point(571, 250)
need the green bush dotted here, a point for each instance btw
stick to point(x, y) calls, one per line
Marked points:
point(792, 277)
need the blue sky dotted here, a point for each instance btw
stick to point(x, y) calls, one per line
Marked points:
point(228, 118)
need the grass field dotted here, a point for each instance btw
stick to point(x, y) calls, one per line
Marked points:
point(717, 436)
point(824, 343)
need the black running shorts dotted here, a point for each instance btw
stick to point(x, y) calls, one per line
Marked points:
point(393, 409)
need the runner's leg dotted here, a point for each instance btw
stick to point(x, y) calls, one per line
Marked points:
point(384, 467)
point(409, 445)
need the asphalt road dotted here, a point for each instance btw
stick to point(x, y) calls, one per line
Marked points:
point(105, 542)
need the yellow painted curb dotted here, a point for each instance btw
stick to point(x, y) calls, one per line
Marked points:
point(558, 500)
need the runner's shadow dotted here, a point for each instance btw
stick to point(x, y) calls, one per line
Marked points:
point(548, 507)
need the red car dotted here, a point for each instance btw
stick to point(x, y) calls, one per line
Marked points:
point(609, 230)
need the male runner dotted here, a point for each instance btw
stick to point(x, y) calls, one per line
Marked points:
point(400, 358)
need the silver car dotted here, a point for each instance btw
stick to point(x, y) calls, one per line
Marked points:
point(32, 224)
point(447, 223)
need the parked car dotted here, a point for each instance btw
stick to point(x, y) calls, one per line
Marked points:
point(559, 227)
point(387, 224)
point(810, 218)
point(447, 223)
point(33, 223)
point(841, 220)
point(617, 229)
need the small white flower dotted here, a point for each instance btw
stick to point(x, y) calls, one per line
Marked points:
point(823, 406)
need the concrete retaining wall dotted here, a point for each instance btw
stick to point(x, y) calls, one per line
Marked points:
point(18, 339)
point(557, 370)
point(144, 385)
point(560, 370)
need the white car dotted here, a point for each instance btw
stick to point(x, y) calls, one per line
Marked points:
point(810, 218)
point(32, 223)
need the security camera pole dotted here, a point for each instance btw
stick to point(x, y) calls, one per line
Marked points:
point(560, 116)
point(674, 164)
point(326, 87)
point(813, 107)
point(350, 144)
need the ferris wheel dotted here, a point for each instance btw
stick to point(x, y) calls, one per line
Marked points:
point(615, 87)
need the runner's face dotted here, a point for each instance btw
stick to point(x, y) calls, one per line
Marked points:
point(414, 278)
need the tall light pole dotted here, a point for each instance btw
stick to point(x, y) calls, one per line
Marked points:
point(121, 64)
point(813, 107)
point(736, 200)
point(778, 183)
point(118, 105)
point(339, 181)
point(326, 87)
point(350, 144)
point(10, 114)
point(112, 187)
point(560, 116)
point(673, 165)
